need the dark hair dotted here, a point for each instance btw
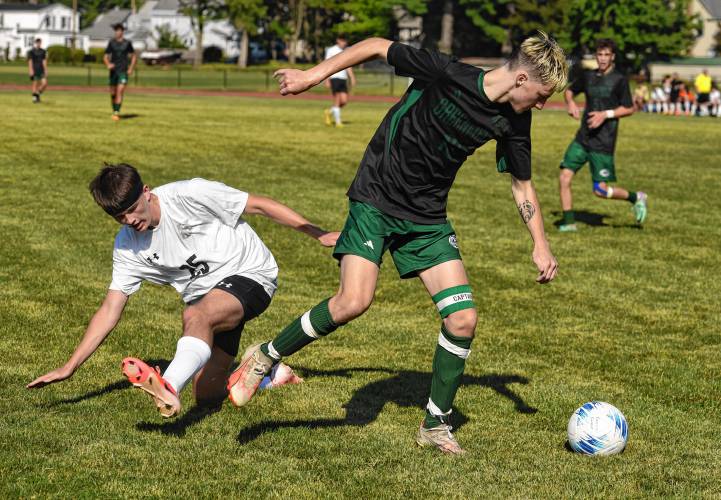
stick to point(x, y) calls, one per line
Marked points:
point(38, 40)
point(341, 36)
point(606, 43)
point(116, 188)
point(118, 26)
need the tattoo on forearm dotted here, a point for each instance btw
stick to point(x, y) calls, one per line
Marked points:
point(526, 210)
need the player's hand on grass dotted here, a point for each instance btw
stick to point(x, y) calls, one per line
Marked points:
point(329, 239)
point(57, 375)
point(293, 81)
point(545, 262)
point(573, 110)
point(596, 119)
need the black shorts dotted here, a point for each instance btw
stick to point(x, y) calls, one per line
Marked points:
point(254, 300)
point(703, 97)
point(338, 85)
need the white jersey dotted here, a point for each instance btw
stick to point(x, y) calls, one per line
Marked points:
point(334, 51)
point(201, 239)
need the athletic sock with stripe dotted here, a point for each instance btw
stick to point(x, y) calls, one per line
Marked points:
point(313, 324)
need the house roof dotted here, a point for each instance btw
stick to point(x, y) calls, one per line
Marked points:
point(102, 28)
point(173, 5)
point(713, 7)
point(23, 6)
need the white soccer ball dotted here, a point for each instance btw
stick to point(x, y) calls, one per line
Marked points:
point(597, 428)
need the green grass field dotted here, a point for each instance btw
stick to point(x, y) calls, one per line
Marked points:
point(632, 319)
point(215, 77)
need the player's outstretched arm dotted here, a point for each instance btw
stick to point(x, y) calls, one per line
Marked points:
point(530, 211)
point(295, 81)
point(101, 324)
point(571, 105)
point(286, 216)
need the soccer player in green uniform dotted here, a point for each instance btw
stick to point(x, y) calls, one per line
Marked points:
point(608, 98)
point(116, 60)
point(38, 69)
point(398, 200)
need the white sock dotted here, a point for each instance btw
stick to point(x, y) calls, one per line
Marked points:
point(190, 356)
point(336, 113)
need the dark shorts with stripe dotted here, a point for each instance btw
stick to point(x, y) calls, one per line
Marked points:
point(368, 233)
point(338, 85)
point(254, 300)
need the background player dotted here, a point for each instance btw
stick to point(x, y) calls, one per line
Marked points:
point(338, 84)
point(38, 69)
point(608, 99)
point(398, 200)
point(190, 235)
point(116, 60)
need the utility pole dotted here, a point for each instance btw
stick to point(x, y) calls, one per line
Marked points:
point(74, 24)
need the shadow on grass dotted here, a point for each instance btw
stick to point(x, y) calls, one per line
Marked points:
point(115, 386)
point(129, 116)
point(592, 219)
point(408, 389)
point(179, 426)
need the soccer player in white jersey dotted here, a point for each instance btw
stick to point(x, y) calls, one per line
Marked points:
point(192, 236)
point(338, 84)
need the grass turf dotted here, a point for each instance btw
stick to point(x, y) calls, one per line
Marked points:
point(632, 318)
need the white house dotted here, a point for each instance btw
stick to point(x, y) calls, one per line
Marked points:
point(709, 11)
point(142, 27)
point(21, 24)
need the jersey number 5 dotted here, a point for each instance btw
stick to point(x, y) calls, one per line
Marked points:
point(195, 268)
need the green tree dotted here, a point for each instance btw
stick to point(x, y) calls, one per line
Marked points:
point(168, 39)
point(487, 16)
point(200, 12)
point(644, 30)
point(365, 18)
point(244, 15)
point(528, 16)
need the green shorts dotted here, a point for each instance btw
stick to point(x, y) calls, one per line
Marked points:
point(602, 166)
point(368, 233)
point(116, 78)
point(38, 76)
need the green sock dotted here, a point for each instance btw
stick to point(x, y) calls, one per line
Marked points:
point(569, 217)
point(116, 107)
point(632, 197)
point(448, 364)
point(312, 325)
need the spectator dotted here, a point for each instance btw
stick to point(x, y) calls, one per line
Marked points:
point(667, 86)
point(686, 101)
point(676, 84)
point(703, 89)
point(715, 101)
point(659, 101)
point(641, 97)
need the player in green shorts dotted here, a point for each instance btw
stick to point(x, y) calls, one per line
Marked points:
point(608, 98)
point(116, 60)
point(398, 200)
point(38, 69)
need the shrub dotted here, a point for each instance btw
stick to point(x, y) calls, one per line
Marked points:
point(58, 54)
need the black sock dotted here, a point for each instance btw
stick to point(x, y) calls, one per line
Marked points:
point(632, 196)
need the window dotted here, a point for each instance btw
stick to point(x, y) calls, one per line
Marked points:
point(29, 40)
point(63, 22)
point(2, 20)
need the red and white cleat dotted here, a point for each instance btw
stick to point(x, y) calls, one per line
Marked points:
point(148, 379)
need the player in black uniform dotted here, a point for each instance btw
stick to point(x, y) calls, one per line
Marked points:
point(608, 98)
point(38, 69)
point(398, 199)
point(116, 59)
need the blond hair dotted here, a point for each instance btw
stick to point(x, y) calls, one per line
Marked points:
point(544, 59)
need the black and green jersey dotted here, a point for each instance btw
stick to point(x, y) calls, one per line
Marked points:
point(119, 52)
point(412, 159)
point(603, 92)
point(37, 56)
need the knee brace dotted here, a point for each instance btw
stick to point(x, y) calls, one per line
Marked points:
point(454, 299)
point(606, 193)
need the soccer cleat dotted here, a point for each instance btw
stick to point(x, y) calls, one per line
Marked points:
point(116, 117)
point(440, 437)
point(244, 381)
point(568, 228)
point(339, 125)
point(640, 208)
point(148, 379)
point(328, 120)
point(36, 98)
